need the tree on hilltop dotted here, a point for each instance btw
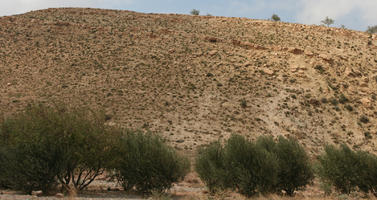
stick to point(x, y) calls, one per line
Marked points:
point(372, 29)
point(275, 18)
point(327, 21)
point(195, 12)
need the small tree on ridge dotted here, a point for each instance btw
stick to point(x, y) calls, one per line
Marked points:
point(327, 21)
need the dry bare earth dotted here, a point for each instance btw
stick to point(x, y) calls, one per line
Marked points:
point(186, 77)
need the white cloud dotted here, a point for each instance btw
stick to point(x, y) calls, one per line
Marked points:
point(313, 11)
point(10, 7)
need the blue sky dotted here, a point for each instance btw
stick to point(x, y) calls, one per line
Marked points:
point(353, 14)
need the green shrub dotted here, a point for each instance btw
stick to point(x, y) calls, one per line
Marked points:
point(211, 168)
point(339, 167)
point(252, 169)
point(275, 18)
point(239, 165)
point(367, 172)
point(295, 171)
point(31, 167)
point(4, 182)
point(144, 163)
point(46, 146)
point(263, 166)
point(349, 170)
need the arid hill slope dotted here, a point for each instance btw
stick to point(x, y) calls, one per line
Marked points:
point(195, 79)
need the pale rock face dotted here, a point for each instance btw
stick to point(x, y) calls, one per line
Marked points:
point(347, 72)
point(212, 53)
point(268, 71)
point(366, 102)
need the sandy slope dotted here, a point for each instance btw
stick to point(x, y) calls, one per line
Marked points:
point(186, 76)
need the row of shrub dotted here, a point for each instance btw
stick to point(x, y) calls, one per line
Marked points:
point(52, 148)
point(60, 148)
point(282, 166)
point(264, 166)
point(348, 170)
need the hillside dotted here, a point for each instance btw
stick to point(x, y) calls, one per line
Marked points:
point(195, 79)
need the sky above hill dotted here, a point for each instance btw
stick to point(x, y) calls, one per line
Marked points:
point(353, 14)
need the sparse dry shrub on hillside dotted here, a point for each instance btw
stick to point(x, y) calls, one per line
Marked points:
point(194, 12)
point(327, 21)
point(144, 163)
point(275, 18)
point(372, 29)
point(46, 146)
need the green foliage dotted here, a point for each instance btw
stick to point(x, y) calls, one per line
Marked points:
point(4, 184)
point(372, 29)
point(264, 166)
point(339, 167)
point(251, 168)
point(367, 173)
point(326, 188)
point(144, 163)
point(46, 146)
point(294, 170)
point(195, 12)
point(211, 167)
point(348, 170)
point(327, 21)
point(275, 18)
point(30, 167)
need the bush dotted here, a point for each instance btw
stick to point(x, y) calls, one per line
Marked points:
point(252, 169)
point(275, 18)
point(294, 171)
point(31, 167)
point(263, 166)
point(339, 167)
point(367, 173)
point(211, 168)
point(194, 12)
point(372, 29)
point(239, 165)
point(46, 146)
point(327, 21)
point(364, 119)
point(348, 170)
point(144, 163)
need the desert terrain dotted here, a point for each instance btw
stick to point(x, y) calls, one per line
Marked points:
point(196, 79)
